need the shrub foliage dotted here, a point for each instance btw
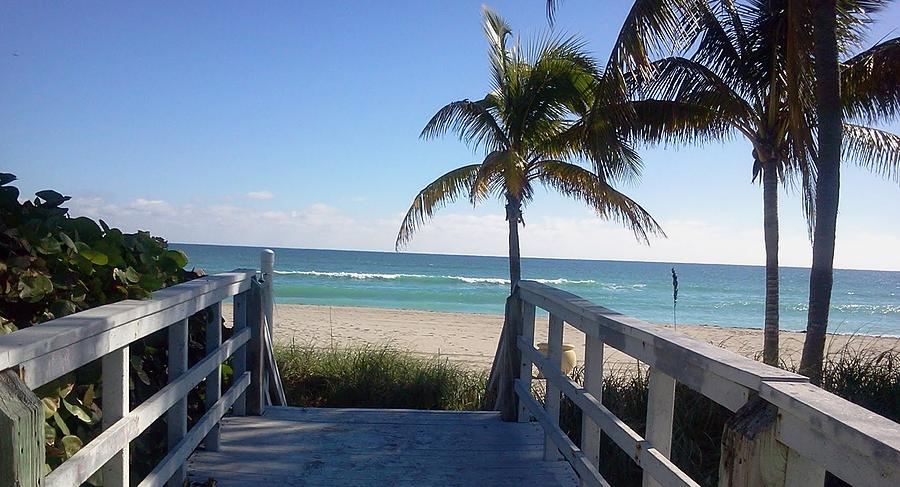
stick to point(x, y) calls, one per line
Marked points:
point(53, 265)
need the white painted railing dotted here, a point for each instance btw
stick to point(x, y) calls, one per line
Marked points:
point(810, 431)
point(34, 356)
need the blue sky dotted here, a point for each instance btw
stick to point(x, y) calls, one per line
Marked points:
point(296, 124)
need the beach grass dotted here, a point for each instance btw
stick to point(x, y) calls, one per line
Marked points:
point(376, 377)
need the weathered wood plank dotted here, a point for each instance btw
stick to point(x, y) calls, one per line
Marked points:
point(525, 367)
point(214, 379)
point(551, 397)
point(21, 434)
point(593, 384)
point(115, 373)
point(367, 447)
point(660, 414)
point(24, 345)
point(256, 403)
point(676, 354)
point(51, 365)
point(239, 361)
point(176, 417)
point(852, 442)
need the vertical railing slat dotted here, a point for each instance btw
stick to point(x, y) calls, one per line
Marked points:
point(593, 384)
point(551, 395)
point(660, 411)
point(114, 376)
point(214, 379)
point(526, 365)
point(239, 360)
point(176, 417)
point(256, 404)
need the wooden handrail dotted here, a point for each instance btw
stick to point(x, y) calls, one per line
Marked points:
point(34, 356)
point(815, 430)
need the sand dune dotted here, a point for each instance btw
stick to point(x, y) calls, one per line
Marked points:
point(471, 338)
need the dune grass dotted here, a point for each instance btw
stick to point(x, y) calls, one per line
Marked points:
point(376, 377)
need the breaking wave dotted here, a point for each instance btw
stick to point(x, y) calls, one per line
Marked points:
point(499, 281)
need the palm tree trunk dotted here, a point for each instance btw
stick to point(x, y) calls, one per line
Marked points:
point(513, 215)
point(828, 110)
point(500, 394)
point(770, 231)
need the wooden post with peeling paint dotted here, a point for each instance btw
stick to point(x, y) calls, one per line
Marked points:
point(21, 434)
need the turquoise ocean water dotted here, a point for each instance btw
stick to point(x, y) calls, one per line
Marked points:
point(726, 295)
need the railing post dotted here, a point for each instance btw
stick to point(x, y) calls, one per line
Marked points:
point(551, 394)
point(660, 411)
point(21, 434)
point(593, 384)
point(176, 417)
point(752, 455)
point(256, 391)
point(214, 379)
point(526, 365)
point(115, 373)
point(267, 267)
point(239, 360)
point(267, 276)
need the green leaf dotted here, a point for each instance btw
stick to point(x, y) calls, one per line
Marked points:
point(49, 246)
point(76, 411)
point(68, 241)
point(137, 363)
point(62, 424)
point(132, 275)
point(49, 433)
point(33, 288)
point(6, 178)
point(177, 256)
point(51, 404)
point(96, 258)
point(65, 389)
point(71, 444)
point(89, 396)
point(52, 198)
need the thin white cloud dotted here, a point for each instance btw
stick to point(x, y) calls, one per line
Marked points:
point(323, 226)
point(260, 195)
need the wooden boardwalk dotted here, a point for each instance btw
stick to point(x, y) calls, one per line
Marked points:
point(356, 447)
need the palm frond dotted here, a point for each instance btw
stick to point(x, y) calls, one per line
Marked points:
point(486, 177)
point(688, 81)
point(436, 195)
point(870, 82)
point(651, 29)
point(577, 182)
point(663, 121)
point(473, 122)
point(875, 150)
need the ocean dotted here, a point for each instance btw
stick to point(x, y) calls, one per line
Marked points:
point(726, 295)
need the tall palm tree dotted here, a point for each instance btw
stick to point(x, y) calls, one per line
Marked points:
point(751, 73)
point(528, 127)
point(866, 87)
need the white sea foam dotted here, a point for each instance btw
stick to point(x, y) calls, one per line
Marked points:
point(466, 279)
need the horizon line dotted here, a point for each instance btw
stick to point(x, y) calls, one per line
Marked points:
point(523, 256)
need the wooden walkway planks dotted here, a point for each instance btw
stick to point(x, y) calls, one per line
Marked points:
point(361, 447)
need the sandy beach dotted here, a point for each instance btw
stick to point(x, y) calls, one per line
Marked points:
point(471, 339)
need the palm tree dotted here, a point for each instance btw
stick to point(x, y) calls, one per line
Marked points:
point(867, 87)
point(751, 74)
point(527, 125)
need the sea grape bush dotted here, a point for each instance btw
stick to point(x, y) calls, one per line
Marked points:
point(53, 265)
